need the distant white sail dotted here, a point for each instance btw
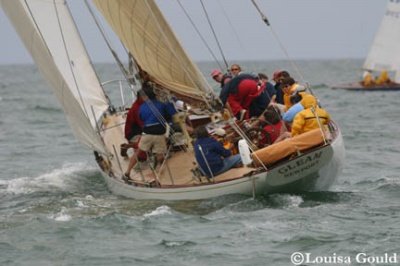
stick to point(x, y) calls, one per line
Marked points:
point(385, 50)
point(50, 35)
point(147, 35)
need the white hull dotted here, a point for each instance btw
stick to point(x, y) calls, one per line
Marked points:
point(315, 170)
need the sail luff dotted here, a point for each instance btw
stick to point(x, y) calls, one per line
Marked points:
point(384, 53)
point(70, 75)
point(144, 31)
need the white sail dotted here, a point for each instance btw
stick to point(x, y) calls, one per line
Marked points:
point(50, 35)
point(385, 50)
point(147, 35)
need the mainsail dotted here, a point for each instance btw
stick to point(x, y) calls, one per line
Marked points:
point(146, 34)
point(50, 35)
point(385, 50)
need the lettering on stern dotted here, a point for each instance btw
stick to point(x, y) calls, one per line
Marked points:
point(301, 165)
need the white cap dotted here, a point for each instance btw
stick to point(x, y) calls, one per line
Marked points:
point(220, 132)
point(180, 105)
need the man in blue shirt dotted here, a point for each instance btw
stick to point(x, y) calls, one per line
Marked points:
point(212, 157)
point(154, 115)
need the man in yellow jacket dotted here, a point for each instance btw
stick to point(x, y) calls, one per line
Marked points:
point(306, 119)
point(289, 87)
point(383, 78)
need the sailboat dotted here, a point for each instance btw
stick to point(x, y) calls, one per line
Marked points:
point(384, 54)
point(306, 162)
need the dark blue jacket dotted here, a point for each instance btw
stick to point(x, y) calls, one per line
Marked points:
point(279, 93)
point(259, 104)
point(152, 124)
point(213, 152)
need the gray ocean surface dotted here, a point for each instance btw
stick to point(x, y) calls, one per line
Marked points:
point(55, 208)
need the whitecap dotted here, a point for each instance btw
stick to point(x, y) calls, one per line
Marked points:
point(80, 204)
point(159, 211)
point(295, 201)
point(61, 216)
point(55, 179)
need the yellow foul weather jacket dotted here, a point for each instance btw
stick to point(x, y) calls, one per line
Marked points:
point(306, 120)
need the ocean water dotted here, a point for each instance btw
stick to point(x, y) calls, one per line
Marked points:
point(55, 208)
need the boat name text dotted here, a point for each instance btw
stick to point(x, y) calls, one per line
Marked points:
point(300, 165)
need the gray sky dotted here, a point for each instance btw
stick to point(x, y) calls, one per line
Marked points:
point(308, 29)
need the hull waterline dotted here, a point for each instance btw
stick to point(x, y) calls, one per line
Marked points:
point(315, 170)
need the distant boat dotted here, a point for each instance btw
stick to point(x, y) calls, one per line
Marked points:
point(384, 54)
point(309, 161)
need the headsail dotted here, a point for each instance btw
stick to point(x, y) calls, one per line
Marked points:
point(147, 35)
point(49, 34)
point(385, 50)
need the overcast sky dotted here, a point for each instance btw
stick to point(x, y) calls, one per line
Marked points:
point(308, 29)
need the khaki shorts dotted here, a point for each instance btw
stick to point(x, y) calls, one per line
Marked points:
point(155, 143)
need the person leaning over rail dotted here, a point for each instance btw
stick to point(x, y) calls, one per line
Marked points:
point(213, 159)
point(306, 120)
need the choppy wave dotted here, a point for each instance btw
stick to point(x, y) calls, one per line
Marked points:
point(162, 210)
point(63, 179)
point(61, 216)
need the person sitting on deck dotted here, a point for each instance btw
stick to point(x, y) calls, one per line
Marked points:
point(368, 79)
point(275, 129)
point(153, 114)
point(296, 107)
point(213, 159)
point(289, 87)
point(310, 118)
point(383, 78)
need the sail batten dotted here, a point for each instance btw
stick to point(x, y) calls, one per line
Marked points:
point(147, 35)
point(384, 53)
point(50, 35)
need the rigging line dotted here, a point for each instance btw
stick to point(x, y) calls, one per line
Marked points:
point(108, 43)
point(204, 90)
point(160, 117)
point(215, 35)
point(249, 142)
point(232, 27)
point(265, 19)
point(69, 59)
point(199, 33)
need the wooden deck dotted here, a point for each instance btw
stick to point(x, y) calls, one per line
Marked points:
point(176, 170)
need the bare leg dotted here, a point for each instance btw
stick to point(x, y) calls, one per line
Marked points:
point(132, 163)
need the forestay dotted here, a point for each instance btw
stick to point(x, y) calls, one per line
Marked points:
point(385, 50)
point(146, 34)
point(49, 34)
